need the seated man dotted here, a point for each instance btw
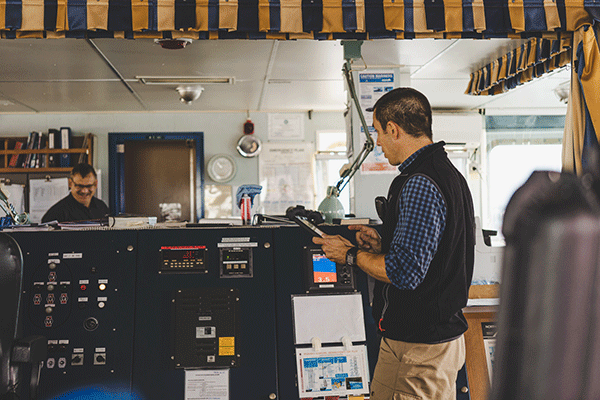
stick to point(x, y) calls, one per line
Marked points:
point(80, 204)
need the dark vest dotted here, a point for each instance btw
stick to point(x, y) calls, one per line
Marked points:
point(432, 312)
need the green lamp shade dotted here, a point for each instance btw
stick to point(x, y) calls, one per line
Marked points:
point(331, 207)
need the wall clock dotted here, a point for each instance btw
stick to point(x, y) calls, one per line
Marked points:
point(221, 168)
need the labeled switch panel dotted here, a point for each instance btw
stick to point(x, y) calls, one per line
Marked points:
point(236, 262)
point(51, 294)
point(207, 328)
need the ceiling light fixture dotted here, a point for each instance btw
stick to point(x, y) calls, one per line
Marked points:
point(173, 44)
point(187, 94)
point(184, 80)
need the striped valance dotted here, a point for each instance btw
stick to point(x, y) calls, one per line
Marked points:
point(531, 60)
point(293, 19)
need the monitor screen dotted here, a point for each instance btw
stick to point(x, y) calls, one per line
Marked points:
point(324, 270)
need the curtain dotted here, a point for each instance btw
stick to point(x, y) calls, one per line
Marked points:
point(582, 123)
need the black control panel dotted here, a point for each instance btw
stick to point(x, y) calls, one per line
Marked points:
point(78, 292)
point(322, 274)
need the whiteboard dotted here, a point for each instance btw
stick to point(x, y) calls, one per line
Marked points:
point(328, 318)
point(43, 194)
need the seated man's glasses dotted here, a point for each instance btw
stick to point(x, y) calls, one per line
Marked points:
point(80, 187)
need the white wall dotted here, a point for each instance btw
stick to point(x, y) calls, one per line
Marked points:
point(221, 131)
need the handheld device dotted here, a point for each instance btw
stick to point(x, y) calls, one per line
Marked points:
point(308, 226)
point(305, 219)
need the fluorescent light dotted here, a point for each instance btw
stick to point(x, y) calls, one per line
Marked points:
point(184, 80)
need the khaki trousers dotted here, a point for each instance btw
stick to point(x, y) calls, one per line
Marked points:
point(413, 371)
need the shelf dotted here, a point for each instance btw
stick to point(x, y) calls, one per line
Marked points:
point(7, 150)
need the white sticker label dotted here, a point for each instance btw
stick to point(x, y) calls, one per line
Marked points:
point(235, 239)
point(105, 281)
point(239, 245)
point(84, 282)
point(205, 332)
point(72, 255)
point(54, 260)
point(82, 299)
point(102, 298)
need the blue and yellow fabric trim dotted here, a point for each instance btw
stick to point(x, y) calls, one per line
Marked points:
point(293, 19)
point(528, 61)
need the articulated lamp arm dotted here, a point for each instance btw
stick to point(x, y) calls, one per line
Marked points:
point(369, 144)
point(9, 209)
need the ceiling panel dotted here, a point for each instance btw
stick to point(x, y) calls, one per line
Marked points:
point(76, 75)
point(71, 96)
point(64, 59)
point(245, 60)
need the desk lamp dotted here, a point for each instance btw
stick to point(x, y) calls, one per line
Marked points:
point(331, 207)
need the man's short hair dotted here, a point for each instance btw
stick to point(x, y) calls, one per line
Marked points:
point(84, 170)
point(406, 107)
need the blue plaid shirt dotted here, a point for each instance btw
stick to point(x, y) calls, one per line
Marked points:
point(421, 223)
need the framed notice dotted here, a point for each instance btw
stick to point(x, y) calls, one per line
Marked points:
point(332, 371)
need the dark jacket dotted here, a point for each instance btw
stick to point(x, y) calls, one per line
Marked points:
point(432, 312)
point(69, 209)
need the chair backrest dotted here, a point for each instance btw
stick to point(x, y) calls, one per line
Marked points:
point(11, 262)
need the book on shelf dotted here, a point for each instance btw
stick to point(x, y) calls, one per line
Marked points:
point(53, 135)
point(31, 141)
point(87, 141)
point(65, 143)
point(14, 159)
point(42, 158)
point(35, 158)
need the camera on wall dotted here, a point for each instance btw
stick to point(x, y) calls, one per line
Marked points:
point(187, 94)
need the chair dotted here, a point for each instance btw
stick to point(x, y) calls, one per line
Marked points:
point(15, 352)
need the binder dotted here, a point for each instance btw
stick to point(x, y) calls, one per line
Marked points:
point(65, 143)
point(53, 135)
point(35, 145)
point(31, 139)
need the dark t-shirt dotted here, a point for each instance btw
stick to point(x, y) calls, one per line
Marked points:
point(69, 209)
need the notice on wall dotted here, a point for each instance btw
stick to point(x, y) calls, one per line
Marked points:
point(43, 194)
point(332, 371)
point(203, 384)
point(286, 126)
point(285, 173)
point(489, 330)
point(371, 86)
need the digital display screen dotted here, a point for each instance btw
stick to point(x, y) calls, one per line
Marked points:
point(324, 270)
point(183, 258)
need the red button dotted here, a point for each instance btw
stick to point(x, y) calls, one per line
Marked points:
point(83, 287)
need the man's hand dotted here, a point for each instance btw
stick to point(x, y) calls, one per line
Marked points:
point(368, 238)
point(335, 247)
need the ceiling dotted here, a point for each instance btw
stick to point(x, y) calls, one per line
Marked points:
point(77, 75)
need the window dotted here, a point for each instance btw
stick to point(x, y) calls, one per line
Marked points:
point(514, 151)
point(330, 157)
